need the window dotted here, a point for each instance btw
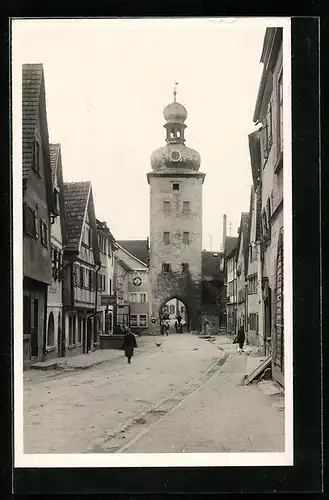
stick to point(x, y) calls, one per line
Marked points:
point(185, 267)
point(143, 320)
point(280, 109)
point(133, 320)
point(166, 238)
point(89, 237)
point(252, 285)
point(186, 207)
point(166, 267)
point(175, 186)
point(56, 200)
point(80, 328)
point(56, 259)
point(186, 238)
point(30, 222)
point(166, 206)
point(110, 290)
point(90, 278)
point(253, 322)
point(133, 297)
point(143, 297)
point(82, 277)
point(36, 156)
point(264, 222)
point(44, 233)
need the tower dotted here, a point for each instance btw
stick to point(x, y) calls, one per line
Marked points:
point(175, 220)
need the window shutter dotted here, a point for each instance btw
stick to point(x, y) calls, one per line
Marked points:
point(36, 224)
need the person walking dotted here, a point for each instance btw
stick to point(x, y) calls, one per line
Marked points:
point(129, 343)
point(241, 338)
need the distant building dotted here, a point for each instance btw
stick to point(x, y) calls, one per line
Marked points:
point(241, 257)
point(175, 222)
point(55, 337)
point(37, 213)
point(81, 269)
point(269, 114)
point(132, 284)
point(107, 247)
point(230, 248)
point(213, 290)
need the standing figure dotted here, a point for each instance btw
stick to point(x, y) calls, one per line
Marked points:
point(241, 338)
point(206, 326)
point(129, 343)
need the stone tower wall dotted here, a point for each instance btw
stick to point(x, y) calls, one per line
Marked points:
point(184, 285)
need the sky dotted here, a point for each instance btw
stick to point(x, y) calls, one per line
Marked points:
point(107, 82)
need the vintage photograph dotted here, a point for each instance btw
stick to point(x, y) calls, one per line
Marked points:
point(153, 303)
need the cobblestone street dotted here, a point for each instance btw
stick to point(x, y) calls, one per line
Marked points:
point(185, 395)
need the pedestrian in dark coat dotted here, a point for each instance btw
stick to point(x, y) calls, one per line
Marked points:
point(241, 337)
point(129, 343)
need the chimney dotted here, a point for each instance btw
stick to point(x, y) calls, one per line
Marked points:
point(224, 230)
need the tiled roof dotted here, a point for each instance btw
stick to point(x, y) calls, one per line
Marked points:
point(76, 196)
point(244, 232)
point(54, 150)
point(255, 155)
point(211, 262)
point(137, 248)
point(32, 79)
point(230, 244)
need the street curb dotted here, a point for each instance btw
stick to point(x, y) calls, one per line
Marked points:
point(218, 363)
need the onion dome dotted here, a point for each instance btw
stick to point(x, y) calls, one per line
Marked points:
point(175, 113)
point(175, 155)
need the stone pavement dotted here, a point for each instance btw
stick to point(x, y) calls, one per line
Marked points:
point(97, 410)
point(222, 415)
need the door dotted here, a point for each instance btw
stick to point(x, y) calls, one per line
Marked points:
point(34, 327)
point(84, 336)
point(60, 337)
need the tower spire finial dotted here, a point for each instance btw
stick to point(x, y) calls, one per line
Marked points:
point(175, 91)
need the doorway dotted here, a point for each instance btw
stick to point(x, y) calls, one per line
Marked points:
point(34, 327)
point(60, 337)
point(175, 312)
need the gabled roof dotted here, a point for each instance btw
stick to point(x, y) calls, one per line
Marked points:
point(211, 262)
point(102, 226)
point(255, 156)
point(78, 201)
point(244, 233)
point(56, 167)
point(34, 106)
point(230, 245)
point(76, 195)
point(54, 150)
point(137, 248)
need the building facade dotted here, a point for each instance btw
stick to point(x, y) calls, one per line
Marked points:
point(269, 114)
point(105, 285)
point(230, 284)
point(242, 271)
point(55, 335)
point(81, 268)
point(133, 273)
point(37, 212)
point(175, 222)
point(254, 275)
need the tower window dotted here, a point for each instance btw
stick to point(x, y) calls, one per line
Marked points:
point(166, 267)
point(186, 207)
point(184, 267)
point(166, 206)
point(175, 186)
point(166, 238)
point(186, 238)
